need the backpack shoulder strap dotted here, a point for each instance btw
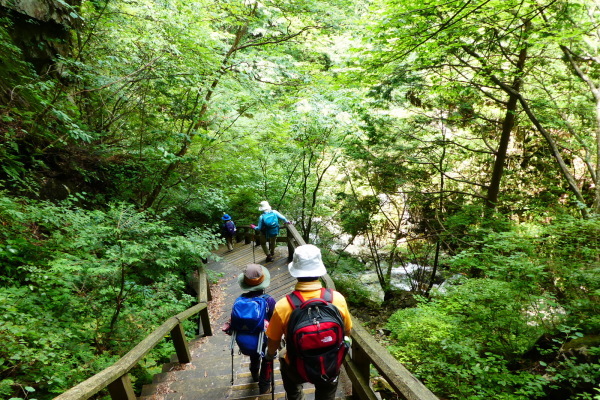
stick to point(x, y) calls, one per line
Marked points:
point(295, 299)
point(327, 295)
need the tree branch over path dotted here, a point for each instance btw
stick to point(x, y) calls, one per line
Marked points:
point(533, 118)
point(279, 40)
point(595, 89)
point(443, 26)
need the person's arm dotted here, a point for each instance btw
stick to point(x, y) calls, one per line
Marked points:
point(340, 302)
point(260, 224)
point(274, 334)
point(280, 216)
point(272, 347)
point(271, 303)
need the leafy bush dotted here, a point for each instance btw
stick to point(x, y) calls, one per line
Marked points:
point(354, 291)
point(508, 335)
point(462, 343)
point(83, 287)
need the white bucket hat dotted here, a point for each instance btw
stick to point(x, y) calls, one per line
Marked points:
point(307, 262)
point(264, 206)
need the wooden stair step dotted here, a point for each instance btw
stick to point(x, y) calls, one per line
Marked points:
point(176, 384)
point(220, 393)
point(210, 367)
point(239, 384)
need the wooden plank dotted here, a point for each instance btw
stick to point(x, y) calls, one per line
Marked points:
point(181, 345)
point(360, 386)
point(361, 360)
point(121, 389)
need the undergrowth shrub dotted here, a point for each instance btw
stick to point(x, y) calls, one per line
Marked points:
point(462, 343)
point(526, 329)
point(82, 287)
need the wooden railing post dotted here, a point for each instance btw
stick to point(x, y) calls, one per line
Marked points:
point(361, 389)
point(121, 389)
point(204, 295)
point(204, 328)
point(247, 235)
point(207, 285)
point(290, 244)
point(362, 361)
point(181, 345)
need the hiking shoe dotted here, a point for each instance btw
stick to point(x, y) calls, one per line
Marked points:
point(269, 258)
point(264, 389)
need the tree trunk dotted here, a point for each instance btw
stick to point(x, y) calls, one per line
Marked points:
point(507, 126)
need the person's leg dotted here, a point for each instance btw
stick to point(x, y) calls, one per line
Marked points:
point(291, 384)
point(264, 381)
point(263, 243)
point(326, 391)
point(255, 366)
point(229, 240)
point(272, 244)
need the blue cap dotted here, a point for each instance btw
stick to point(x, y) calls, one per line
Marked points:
point(225, 217)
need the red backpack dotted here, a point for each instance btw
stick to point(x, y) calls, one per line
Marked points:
point(315, 337)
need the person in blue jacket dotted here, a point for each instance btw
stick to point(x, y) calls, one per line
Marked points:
point(228, 231)
point(268, 227)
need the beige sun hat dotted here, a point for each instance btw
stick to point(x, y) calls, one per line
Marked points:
point(254, 277)
point(307, 262)
point(264, 206)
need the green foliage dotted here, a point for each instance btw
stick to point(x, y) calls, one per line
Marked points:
point(462, 343)
point(559, 259)
point(82, 287)
point(539, 281)
point(355, 292)
point(356, 214)
point(189, 110)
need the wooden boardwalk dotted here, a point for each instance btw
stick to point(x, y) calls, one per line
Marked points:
point(208, 375)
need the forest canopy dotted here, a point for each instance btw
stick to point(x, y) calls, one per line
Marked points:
point(455, 143)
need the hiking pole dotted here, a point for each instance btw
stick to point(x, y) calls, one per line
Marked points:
point(253, 244)
point(232, 341)
point(273, 380)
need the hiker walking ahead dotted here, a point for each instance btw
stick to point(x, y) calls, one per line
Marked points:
point(321, 322)
point(268, 226)
point(228, 230)
point(249, 316)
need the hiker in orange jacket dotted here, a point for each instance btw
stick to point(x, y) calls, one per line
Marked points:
point(306, 267)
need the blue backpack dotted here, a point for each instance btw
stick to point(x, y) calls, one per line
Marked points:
point(270, 220)
point(248, 324)
point(230, 227)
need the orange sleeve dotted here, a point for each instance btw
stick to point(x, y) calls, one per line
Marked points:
point(274, 331)
point(340, 302)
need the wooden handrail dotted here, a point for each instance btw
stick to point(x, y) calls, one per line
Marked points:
point(366, 351)
point(116, 377)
